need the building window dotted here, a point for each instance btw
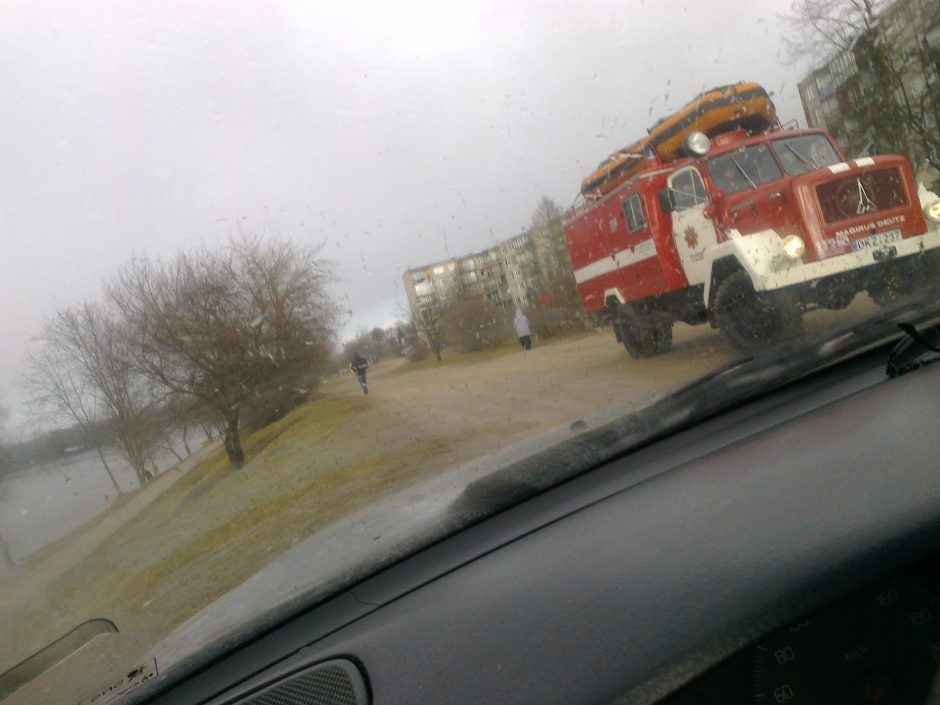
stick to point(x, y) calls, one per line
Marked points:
point(633, 210)
point(439, 269)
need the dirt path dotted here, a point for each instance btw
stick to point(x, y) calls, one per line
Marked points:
point(556, 382)
point(553, 384)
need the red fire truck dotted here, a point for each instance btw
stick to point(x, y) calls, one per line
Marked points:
point(746, 232)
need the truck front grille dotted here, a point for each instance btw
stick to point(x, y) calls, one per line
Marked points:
point(861, 194)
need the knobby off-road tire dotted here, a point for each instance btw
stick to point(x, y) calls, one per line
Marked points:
point(642, 335)
point(752, 320)
point(663, 327)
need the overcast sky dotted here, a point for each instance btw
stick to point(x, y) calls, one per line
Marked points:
point(375, 127)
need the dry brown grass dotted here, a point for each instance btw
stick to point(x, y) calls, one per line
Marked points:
point(217, 526)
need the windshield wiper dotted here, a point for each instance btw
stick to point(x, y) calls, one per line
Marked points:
point(743, 173)
point(811, 165)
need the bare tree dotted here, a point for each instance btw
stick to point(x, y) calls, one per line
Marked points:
point(467, 320)
point(428, 325)
point(473, 323)
point(411, 343)
point(85, 373)
point(547, 214)
point(558, 304)
point(891, 103)
point(228, 326)
point(182, 414)
point(60, 392)
point(375, 345)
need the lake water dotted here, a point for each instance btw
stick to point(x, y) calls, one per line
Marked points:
point(44, 502)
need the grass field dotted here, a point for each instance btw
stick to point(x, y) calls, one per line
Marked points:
point(216, 526)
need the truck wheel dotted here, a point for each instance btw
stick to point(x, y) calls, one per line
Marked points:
point(634, 332)
point(663, 330)
point(642, 336)
point(752, 320)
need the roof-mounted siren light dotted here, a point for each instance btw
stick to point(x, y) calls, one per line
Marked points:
point(697, 144)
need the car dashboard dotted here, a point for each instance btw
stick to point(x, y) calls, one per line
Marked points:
point(881, 645)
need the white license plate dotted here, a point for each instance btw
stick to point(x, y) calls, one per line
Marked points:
point(876, 240)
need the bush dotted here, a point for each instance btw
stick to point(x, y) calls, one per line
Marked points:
point(475, 324)
point(551, 322)
point(274, 402)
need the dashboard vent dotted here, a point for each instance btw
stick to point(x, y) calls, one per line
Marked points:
point(336, 682)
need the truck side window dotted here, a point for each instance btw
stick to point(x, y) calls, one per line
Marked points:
point(688, 190)
point(634, 213)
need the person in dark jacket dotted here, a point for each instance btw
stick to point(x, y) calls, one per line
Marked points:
point(359, 365)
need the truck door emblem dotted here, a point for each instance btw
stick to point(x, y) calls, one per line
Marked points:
point(865, 204)
point(691, 237)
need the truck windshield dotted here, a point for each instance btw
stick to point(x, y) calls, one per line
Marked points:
point(744, 168)
point(804, 153)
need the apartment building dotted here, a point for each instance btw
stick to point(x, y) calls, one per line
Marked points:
point(838, 95)
point(508, 274)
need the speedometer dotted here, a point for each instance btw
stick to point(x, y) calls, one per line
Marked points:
point(880, 647)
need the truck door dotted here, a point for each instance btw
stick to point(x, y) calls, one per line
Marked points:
point(692, 231)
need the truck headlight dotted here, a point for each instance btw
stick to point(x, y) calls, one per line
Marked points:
point(793, 246)
point(933, 212)
point(697, 144)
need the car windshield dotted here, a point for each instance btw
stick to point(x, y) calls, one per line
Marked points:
point(282, 280)
point(805, 153)
point(744, 168)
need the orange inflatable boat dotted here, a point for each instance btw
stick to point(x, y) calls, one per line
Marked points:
point(719, 110)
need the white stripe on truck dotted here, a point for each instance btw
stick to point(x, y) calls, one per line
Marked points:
point(618, 260)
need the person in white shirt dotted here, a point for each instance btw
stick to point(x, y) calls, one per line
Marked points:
point(521, 325)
